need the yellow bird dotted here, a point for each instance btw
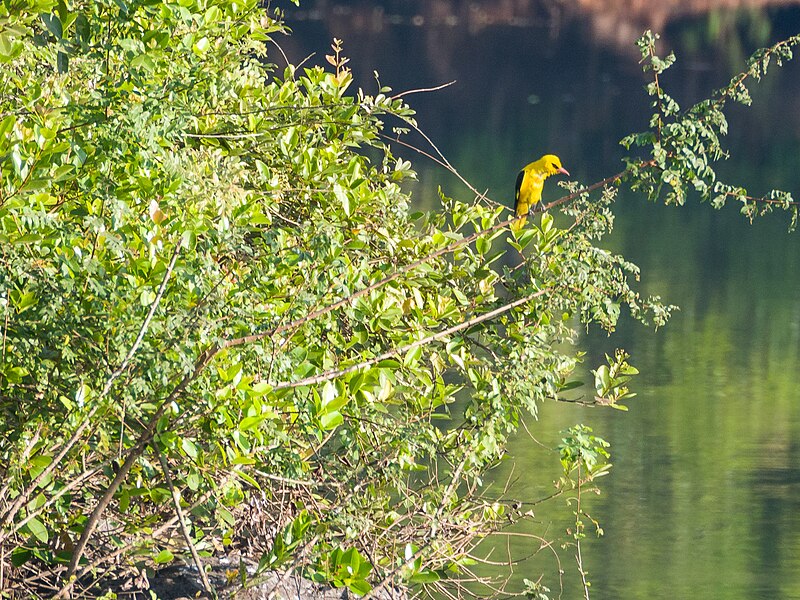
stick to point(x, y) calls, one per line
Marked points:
point(530, 182)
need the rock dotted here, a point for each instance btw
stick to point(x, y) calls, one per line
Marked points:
point(181, 582)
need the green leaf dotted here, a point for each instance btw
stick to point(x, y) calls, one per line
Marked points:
point(193, 481)
point(147, 297)
point(212, 16)
point(10, 48)
point(189, 240)
point(425, 576)
point(13, 374)
point(83, 394)
point(201, 46)
point(412, 356)
point(248, 479)
point(8, 122)
point(62, 62)
point(144, 61)
point(37, 528)
point(388, 363)
point(331, 399)
point(343, 198)
point(359, 587)
point(63, 173)
point(53, 24)
point(252, 422)
point(329, 393)
point(189, 448)
point(20, 555)
point(23, 300)
point(331, 420)
point(163, 557)
point(483, 245)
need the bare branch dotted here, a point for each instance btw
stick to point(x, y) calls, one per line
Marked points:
point(421, 90)
point(187, 536)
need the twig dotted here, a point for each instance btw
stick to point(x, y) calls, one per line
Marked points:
point(446, 163)
point(753, 70)
point(762, 199)
point(22, 460)
point(78, 481)
point(391, 575)
point(248, 339)
point(154, 535)
point(454, 481)
point(176, 502)
point(133, 455)
point(578, 534)
point(285, 575)
point(420, 90)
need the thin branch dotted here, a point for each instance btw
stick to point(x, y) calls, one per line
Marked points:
point(387, 580)
point(248, 339)
point(77, 482)
point(762, 199)
point(133, 455)
point(578, 534)
point(754, 69)
point(285, 58)
point(446, 163)
point(23, 458)
point(454, 481)
point(421, 90)
point(227, 136)
point(187, 536)
point(155, 534)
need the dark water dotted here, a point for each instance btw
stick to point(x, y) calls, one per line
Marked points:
point(704, 497)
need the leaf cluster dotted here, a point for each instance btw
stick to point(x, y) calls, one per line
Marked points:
point(218, 314)
point(684, 145)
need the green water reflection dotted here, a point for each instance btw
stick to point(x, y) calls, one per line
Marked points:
point(704, 497)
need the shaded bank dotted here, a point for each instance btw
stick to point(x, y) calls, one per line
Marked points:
point(613, 22)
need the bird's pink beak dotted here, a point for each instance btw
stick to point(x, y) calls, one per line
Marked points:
point(563, 171)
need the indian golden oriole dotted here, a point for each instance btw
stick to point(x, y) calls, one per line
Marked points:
point(530, 182)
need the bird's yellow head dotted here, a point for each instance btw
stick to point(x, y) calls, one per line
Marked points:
point(550, 164)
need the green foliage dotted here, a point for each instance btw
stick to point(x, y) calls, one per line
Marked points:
point(348, 568)
point(582, 451)
point(586, 455)
point(610, 380)
point(286, 543)
point(534, 590)
point(217, 309)
point(203, 260)
point(684, 145)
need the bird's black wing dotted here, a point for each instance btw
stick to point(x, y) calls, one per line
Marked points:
point(517, 189)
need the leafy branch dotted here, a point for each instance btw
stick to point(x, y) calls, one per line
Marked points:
point(684, 145)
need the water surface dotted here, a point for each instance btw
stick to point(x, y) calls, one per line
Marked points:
point(704, 497)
